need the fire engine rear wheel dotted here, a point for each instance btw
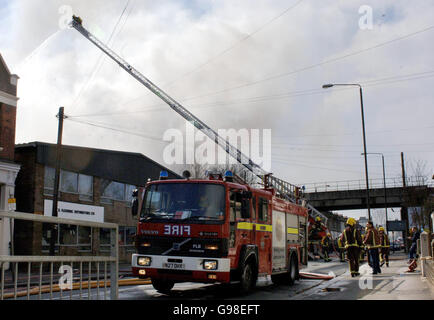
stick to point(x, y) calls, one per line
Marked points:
point(248, 278)
point(293, 270)
point(287, 278)
point(162, 286)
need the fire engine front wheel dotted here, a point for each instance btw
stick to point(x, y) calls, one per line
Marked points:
point(248, 278)
point(163, 286)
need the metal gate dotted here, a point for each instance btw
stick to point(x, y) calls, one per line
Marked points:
point(100, 264)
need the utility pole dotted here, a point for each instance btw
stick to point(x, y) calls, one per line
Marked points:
point(56, 179)
point(385, 193)
point(330, 85)
point(368, 204)
point(384, 182)
point(404, 211)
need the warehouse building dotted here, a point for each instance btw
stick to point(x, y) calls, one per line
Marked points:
point(95, 185)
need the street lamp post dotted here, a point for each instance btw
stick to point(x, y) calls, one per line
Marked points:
point(326, 86)
point(384, 183)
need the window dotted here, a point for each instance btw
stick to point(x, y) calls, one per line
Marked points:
point(245, 208)
point(104, 240)
point(111, 190)
point(235, 203)
point(49, 180)
point(184, 201)
point(46, 238)
point(68, 236)
point(235, 213)
point(129, 192)
point(118, 190)
point(84, 236)
point(126, 237)
point(130, 232)
point(68, 181)
point(152, 201)
point(263, 209)
point(85, 187)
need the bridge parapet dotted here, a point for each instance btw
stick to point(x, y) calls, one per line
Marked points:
point(348, 185)
point(356, 199)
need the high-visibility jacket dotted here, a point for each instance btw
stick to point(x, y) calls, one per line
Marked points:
point(340, 245)
point(384, 241)
point(372, 239)
point(351, 237)
point(325, 241)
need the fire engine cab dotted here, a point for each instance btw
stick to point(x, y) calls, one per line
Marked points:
point(216, 230)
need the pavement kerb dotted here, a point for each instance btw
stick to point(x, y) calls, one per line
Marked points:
point(76, 286)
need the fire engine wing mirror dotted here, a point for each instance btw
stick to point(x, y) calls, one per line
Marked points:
point(135, 207)
point(135, 203)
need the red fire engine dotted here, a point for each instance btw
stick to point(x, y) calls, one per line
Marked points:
point(217, 230)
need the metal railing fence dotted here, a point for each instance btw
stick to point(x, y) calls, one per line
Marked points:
point(83, 263)
point(347, 185)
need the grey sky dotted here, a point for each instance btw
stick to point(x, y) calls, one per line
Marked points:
point(315, 137)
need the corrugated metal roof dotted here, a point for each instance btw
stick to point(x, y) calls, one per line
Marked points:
point(125, 167)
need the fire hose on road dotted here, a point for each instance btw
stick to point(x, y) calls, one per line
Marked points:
point(315, 276)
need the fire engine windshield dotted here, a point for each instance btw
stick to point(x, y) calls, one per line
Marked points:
point(184, 201)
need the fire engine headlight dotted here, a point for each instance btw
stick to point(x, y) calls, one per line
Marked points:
point(210, 264)
point(144, 261)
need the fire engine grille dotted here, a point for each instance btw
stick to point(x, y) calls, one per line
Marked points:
point(168, 271)
point(170, 246)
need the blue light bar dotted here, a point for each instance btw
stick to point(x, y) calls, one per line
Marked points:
point(164, 174)
point(229, 174)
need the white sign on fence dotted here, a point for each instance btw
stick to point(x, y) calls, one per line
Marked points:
point(69, 210)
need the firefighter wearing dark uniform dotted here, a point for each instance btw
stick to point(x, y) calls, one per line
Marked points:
point(341, 249)
point(315, 237)
point(352, 241)
point(385, 247)
point(372, 243)
point(325, 244)
point(317, 228)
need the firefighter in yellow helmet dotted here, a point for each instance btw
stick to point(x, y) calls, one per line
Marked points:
point(385, 247)
point(326, 243)
point(341, 249)
point(352, 241)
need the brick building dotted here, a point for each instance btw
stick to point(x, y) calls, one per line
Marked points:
point(95, 185)
point(8, 168)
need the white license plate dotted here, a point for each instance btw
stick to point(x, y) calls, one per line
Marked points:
point(174, 265)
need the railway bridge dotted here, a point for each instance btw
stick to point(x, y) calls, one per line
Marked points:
point(348, 195)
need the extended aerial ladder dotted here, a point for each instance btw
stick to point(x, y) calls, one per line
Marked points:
point(283, 188)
